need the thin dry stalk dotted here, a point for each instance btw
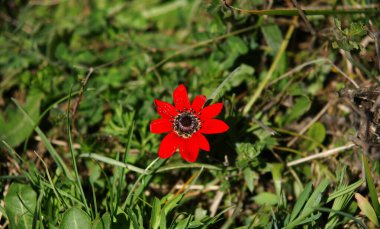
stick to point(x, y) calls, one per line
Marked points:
point(304, 18)
point(216, 202)
point(315, 119)
point(321, 155)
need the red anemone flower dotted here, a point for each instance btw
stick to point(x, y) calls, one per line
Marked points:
point(186, 124)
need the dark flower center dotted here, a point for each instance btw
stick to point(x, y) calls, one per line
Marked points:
point(186, 124)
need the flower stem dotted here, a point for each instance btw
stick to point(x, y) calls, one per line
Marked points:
point(264, 82)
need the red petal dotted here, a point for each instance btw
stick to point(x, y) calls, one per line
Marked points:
point(189, 149)
point(198, 103)
point(211, 111)
point(202, 141)
point(168, 145)
point(213, 126)
point(180, 98)
point(164, 109)
point(159, 126)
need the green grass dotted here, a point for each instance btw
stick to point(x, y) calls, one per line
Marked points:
point(77, 90)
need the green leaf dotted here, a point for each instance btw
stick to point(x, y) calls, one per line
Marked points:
point(301, 201)
point(359, 222)
point(237, 44)
point(75, 218)
point(338, 24)
point(277, 177)
point(133, 218)
point(20, 204)
point(184, 223)
point(156, 214)
point(113, 162)
point(349, 38)
point(163, 220)
point(249, 177)
point(315, 198)
point(366, 208)
point(249, 150)
point(121, 219)
point(14, 126)
point(301, 106)
point(371, 186)
point(346, 190)
point(317, 132)
point(102, 223)
point(57, 158)
point(356, 30)
point(273, 37)
point(266, 198)
point(312, 202)
point(172, 203)
point(233, 79)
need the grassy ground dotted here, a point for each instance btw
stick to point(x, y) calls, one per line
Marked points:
point(300, 93)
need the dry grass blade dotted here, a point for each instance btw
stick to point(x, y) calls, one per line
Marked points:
point(321, 155)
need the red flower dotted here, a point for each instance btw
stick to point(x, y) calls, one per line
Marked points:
point(186, 124)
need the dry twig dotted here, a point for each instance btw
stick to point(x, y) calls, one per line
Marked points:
point(321, 155)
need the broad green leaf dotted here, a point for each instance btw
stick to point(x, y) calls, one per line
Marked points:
point(366, 208)
point(349, 38)
point(273, 37)
point(249, 177)
point(14, 126)
point(57, 158)
point(266, 198)
point(248, 154)
point(20, 204)
point(301, 106)
point(317, 132)
point(200, 214)
point(75, 218)
point(249, 150)
point(237, 44)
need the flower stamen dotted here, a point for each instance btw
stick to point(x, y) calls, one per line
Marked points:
point(186, 124)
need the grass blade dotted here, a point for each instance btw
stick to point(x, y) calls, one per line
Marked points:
point(48, 145)
point(371, 186)
point(68, 123)
point(346, 190)
point(301, 201)
point(272, 68)
point(357, 221)
point(370, 9)
point(111, 161)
